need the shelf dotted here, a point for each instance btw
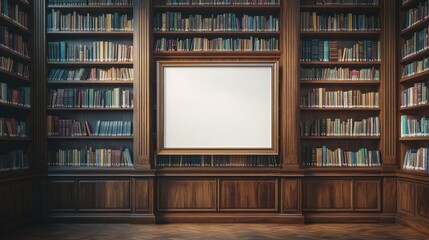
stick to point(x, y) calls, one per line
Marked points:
point(340, 82)
point(15, 77)
point(409, 4)
point(340, 109)
point(89, 34)
point(82, 82)
point(7, 22)
point(422, 175)
point(90, 109)
point(417, 107)
point(216, 8)
point(15, 107)
point(14, 54)
point(86, 64)
point(363, 64)
point(416, 77)
point(416, 56)
point(340, 34)
point(90, 138)
point(216, 33)
point(341, 137)
point(414, 139)
point(341, 8)
point(92, 7)
point(418, 26)
point(217, 54)
point(16, 139)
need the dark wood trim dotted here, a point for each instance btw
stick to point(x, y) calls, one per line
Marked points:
point(215, 34)
point(321, 64)
point(14, 107)
point(16, 77)
point(340, 82)
point(338, 109)
point(340, 34)
point(8, 22)
point(217, 54)
point(415, 56)
point(417, 107)
point(16, 139)
point(14, 54)
point(90, 82)
point(414, 138)
point(415, 77)
point(414, 28)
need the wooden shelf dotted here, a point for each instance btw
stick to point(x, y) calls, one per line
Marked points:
point(86, 64)
point(92, 8)
point(409, 4)
point(89, 34)
point(363, 64)
point(15, 107)
point(414, 139)
point(417, 107)
point(340, 82)
point(416, 77)
point(341, 8)
point(217, 54)
point(16, 139)
point(82, 82)
point(90, 138)
point(216, 8)
point(341, 137)
point(418, 26)
point(340, 109)
point(416, 56)
point(12, 77)
point(340, 34)
point(336, 170)
point(7, 22)
point(216, 33)
point(91, 109)
point(14, 54)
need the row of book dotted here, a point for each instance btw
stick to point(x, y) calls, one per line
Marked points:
point(216, 2)
point(10, 127)
point(15, 12)
point(347, 2)
point(416, 14)
point(106, 22)
point(414, 126)
point(75, 128)
point(415, 95)
point(14, 67)
point(215, 161)
point(90, 51)
point(19, 96)
point(339, 73)
point(91, 74)
point(13, 161)
point(325, 157)
point(416, 159)
point(338, 127)
point(417, 43)
point(321, 98)
point(90, 98)
point(416, 67)
point(174, 21)
point(91, 2)
point(14, 42)
point(315, 22)
point(91, 157)
point(331, 51)
point(217, 44)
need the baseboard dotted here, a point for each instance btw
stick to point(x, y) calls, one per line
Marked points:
point(227, 218)
point(346, 218)
point(101, 218)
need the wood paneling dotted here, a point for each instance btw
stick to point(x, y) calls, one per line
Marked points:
point(327, 195)
point(247, 195)
point(62, 195)
point(389, 195)
point(186, 195)
point(143, 195)
point(367, 195)
point(422, 200)
point(291, 189)
point(406, 197)
point(16, 200)
point(104, 194)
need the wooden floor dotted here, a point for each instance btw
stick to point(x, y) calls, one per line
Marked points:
point(214, 231)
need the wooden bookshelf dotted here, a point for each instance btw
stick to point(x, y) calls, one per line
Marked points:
point(415, 56)
point(14, 107)
point(341, 137)
point(85, 34)
point(90, 64)
point(91, 109)
point(342, 64)
point(415, 78)
point(340, 8)
point(217, 34)
point(12, 77)
point(338, 109)
point(89, 138)
point(340, 82)
point(92, 8)
point(16, 139)
point(340, 34)
point(415, 108)
point(9, 52)
point(7, 22)
point(91, 83)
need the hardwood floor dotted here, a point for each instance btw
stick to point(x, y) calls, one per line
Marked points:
point(214, 231)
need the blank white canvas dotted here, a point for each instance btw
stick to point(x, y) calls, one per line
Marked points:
point(218, 107)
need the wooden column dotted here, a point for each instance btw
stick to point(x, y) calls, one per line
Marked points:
point(289, 86)
point(389, 21)
point(142, 68)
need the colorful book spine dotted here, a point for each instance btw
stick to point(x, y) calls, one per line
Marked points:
point(415, 95)
point(339, 127)
point(347, 2)
point(10, 127)
point(414, 126)
point(91, 74)
point(15, 12)
point(321, 98)
point(14, 67)
point(416, 159)
point(91, 157)
point(216, 2)
point(415, 15)
point(215, 161)
point(416, 67)
point(349, 22)
point(325, 157)
point(19, 96)
point(13, 42)
point(91, 2)
point(339, 73)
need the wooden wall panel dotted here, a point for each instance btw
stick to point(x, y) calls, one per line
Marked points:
point(248, 195)
point(16, 199)
point(143, 195)
point(186, 195)
point(104, 194)
point(422, 203)
point(291, 189)
point(367, 195)
point(62, 195)
point(406, 197)
point(327, 195)
point(389, 195)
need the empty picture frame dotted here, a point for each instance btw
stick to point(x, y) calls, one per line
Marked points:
point(217, 108)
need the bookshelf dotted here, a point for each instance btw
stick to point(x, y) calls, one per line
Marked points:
point(15, 87)
point(340, 81)
point(90, 78)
